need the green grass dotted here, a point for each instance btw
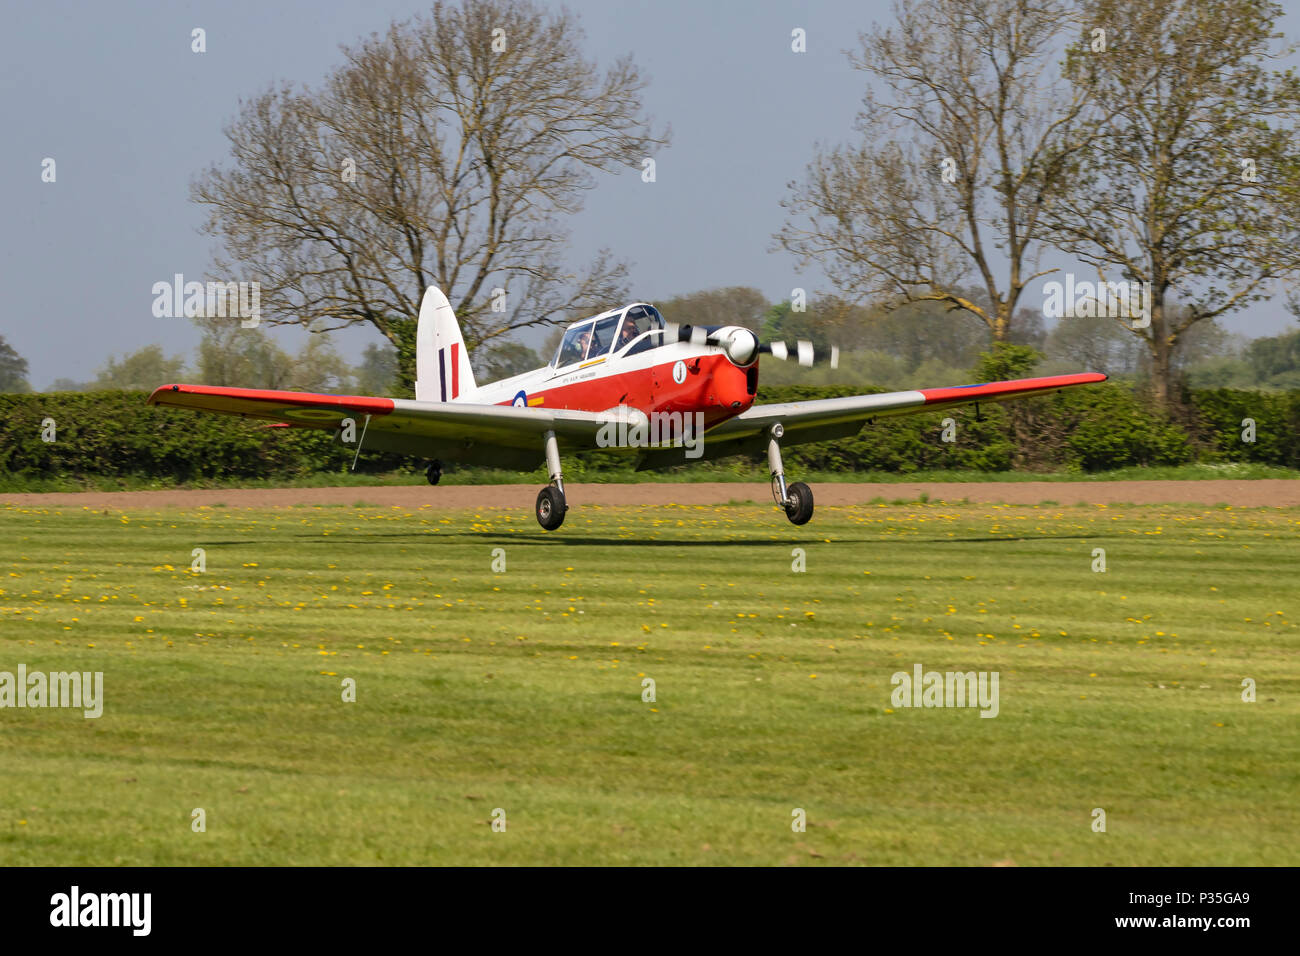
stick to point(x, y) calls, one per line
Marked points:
point(522, 690)
point(578, 471)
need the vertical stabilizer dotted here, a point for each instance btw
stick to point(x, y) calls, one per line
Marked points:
point(442, 370)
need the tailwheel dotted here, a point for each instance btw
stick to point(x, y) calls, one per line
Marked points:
point(551, 507)
point(798, 503)
point(434, 472)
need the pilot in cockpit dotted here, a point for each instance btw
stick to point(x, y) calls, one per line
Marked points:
point(575, 347)
point(629, 332)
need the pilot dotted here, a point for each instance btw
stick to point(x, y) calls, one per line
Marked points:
point(628, 332)
point(576, 348)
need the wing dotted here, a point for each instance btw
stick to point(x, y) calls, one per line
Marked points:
point(827, 418)
point(496, 435)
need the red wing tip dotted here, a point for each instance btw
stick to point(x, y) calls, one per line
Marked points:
point(1012, 386)
point(153, 396)
point(182, 389)
point(364, 403)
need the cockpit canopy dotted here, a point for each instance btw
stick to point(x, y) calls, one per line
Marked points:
point(627, 331)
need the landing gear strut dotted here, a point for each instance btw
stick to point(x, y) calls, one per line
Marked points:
point(551, 505)
point(434, 471)
point(795, 499)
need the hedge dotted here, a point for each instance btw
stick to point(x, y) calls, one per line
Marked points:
point(115, 434)
point(1223, 414)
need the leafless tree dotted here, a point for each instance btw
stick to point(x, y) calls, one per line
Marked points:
point(972, 134)
point(446, 150)
point(1193, 183)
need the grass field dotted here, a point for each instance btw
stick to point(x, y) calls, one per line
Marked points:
point(578, 472)
point(523, 690)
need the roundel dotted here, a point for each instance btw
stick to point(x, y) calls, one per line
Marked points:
point(315, 414)
point(679, 372)
point(520, 400)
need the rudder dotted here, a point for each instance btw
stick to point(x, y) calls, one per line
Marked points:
point(442, 369)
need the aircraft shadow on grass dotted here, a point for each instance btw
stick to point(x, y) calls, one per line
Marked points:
point(1042, 537)
point(480, 537)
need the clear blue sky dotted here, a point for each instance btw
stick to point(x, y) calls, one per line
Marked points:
point(112, 92)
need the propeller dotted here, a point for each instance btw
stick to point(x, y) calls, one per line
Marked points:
point(804, 352)
point(742, 346)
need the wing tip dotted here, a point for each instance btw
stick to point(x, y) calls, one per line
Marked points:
point(153, 398)
point(1043, 383)
point(362, 403)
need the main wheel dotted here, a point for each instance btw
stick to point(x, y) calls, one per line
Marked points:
point(551, 507)
point(433, 472)
point(799, 503)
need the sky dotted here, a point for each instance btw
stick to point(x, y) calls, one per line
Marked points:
point(112, 92)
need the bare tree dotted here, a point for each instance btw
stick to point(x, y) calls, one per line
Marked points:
point(446, 151)
point(1193, 185)
point(969, 140)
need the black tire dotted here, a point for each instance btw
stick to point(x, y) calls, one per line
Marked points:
point(551, 507)
point(434, 472)
point(799, 508)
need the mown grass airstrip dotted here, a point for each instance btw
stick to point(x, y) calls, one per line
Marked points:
point(522, 690)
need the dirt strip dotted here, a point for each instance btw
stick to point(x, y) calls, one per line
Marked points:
point(1275, 492)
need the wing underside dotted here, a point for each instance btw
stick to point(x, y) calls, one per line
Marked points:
point(494, 435)
point(506, 436)
point(829, 418)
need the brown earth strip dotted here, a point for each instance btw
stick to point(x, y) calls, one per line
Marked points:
point(1263, 492)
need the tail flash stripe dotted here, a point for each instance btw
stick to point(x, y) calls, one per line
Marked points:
point(455, 369)
point(442, 374)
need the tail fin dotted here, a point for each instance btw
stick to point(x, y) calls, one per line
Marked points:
point(442, 369)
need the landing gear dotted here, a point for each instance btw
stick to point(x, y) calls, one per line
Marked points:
point(551, 505)
point(797, 499)
point(799, 503)
point(434, 471)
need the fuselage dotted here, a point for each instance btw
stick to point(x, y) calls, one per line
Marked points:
point(672, 377)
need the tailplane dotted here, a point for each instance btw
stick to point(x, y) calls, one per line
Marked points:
point(442, 369)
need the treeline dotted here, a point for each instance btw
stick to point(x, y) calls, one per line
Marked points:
point(96, 435)
point(914, 346)
point(924, 344)
point(227, 354)
point(993, 135)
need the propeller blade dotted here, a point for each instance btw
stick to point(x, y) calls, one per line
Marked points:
point(695, 334)
point(804, 352)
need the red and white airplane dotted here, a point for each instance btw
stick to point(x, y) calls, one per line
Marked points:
point(622, 380)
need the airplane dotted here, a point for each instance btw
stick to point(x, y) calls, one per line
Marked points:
point(625, 380)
